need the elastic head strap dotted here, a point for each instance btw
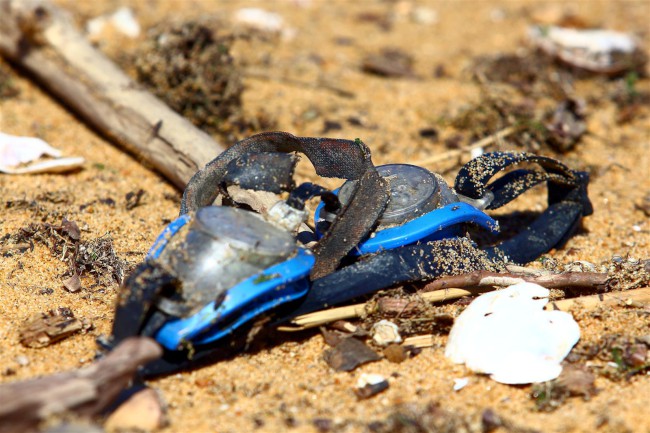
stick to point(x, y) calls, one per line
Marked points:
point(338, 158)
point(568, 201)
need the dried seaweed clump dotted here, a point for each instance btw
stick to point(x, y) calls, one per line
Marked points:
point(95, 257)
point(413, 418)
point(192, 70)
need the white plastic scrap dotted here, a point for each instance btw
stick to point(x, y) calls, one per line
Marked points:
point(508, 335)
point(17, 156)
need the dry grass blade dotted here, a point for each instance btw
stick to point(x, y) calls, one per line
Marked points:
point(631, 298)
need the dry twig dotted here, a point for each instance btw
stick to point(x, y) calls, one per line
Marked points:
point(86, 392)
point(595, 280)
point(454, 287)
point(41, 38)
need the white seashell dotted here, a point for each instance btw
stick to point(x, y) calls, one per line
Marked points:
point(385, 332)
point(260, 19)
point(508, 335)
point(15, 151)
point(123, 20)
point(594, 50)
point(460, 383)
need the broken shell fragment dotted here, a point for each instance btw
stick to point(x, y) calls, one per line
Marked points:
point(595, 50)
point(385, 332)
point(369, 385)
point(508, 335)
point(19, 155)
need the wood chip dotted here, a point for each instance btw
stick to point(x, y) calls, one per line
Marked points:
point(349, 354)
point(72, 284)
point(50, 327)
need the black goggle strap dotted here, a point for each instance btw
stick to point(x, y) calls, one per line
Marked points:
point(391, 267)
point(338, 158)
point(567, 200)
point(138, 293)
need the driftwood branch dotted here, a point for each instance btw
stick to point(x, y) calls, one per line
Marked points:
point(594, 280)
point(41, 39)
point(86, 392)
point(458, 286)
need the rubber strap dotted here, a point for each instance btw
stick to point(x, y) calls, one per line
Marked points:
point(401, 265)
point(331, 158)
point(135, 298)
point(266, 171)
point(568, 201)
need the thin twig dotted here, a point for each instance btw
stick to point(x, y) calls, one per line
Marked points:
point(594, 280)
point(86, 391)
point(629, 298)
point(450, 288)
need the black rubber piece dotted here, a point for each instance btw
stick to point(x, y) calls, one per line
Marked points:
point(345, 159)
point(568, 200)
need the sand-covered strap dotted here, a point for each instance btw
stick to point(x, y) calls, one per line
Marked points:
point(345, 159)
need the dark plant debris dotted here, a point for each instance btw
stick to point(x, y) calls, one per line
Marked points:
point(390, 63)
point(48, 328)
point(95, 257)
point(617, 357)
point(134, 199)
point(348, 354)
point(190, 67)
point(573, 381)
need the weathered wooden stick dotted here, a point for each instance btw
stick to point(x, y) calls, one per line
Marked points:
point(550, 281)
point(41, 39)
point(87, 391)
point(454, 287)
point(628, 297)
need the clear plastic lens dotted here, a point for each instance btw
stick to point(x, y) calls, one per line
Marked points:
point(219, 248)
point(414, 191)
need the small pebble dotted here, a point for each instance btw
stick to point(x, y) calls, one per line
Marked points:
point(395, 353)
point(22, 360)
point(142, 411)
point(385, 332)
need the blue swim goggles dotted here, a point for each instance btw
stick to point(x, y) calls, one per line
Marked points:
point(219, 271)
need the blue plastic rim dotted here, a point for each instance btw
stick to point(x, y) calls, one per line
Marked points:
point(163, 238)
point(436, 224)
point(276, 285)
